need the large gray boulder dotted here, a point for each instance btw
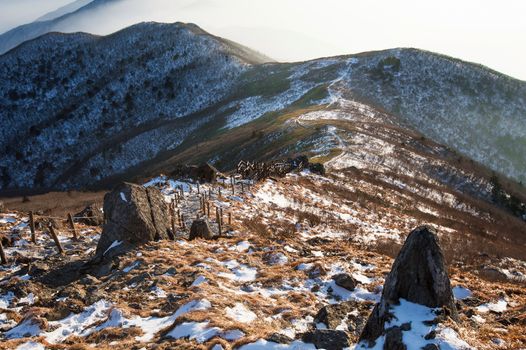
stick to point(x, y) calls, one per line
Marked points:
point(133, 215)
point(418, 275)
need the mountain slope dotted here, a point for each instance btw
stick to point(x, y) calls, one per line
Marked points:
point(92, 94)
point(64, 10)
point(49, 23)
point(130, 104)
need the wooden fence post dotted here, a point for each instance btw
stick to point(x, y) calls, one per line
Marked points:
point(2, 254)
point(218, 219)
point(55, 238)
point(229, 218)
point(179, 217)
point(72, 226)
point(208, 208)
point(32, 227)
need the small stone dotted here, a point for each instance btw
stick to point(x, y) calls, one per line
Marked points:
point(430, 335)
point(200, 229)
point(327, 339)
point(92, 215)
point(345, 280)
point(431, 347)
point(393, 339)
point(406, 326)
point(280, 338)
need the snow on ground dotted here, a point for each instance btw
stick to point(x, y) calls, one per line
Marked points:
point(416, 315)
point(254, 279)
point(461, 293)
point(262, 344)
point(239, 272)
point(240, 313)
point(499, 307)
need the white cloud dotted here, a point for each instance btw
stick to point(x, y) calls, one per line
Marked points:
point(483, 31)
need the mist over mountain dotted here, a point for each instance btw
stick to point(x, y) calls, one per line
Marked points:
point(298, 30)
point(64, 10)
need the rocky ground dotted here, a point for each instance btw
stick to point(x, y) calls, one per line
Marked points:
point(300, 265)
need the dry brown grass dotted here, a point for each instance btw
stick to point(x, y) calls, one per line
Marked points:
point(55, 203)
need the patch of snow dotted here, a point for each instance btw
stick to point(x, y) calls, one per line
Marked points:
point(113, 245)
point(499, 306)
point(198, 281)
point(5, 300)
point(362, 278)
point(7, 220)
point(461, 293)
point(28, 328)
point(198, 331)
point(278, 259)
point(123, 197)
point(131, 267)
point(30, 345)
point(240, 313)
point(262, 344)
point(290, 249)
point(241, 246)
point(233, 334)
point(28, 300)
point(151, 325)
point(304, 266)
point(75, 324)
point(240, 272)
point(416, 315)
point(157, 293)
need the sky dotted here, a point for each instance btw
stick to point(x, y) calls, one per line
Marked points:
point(492, 33)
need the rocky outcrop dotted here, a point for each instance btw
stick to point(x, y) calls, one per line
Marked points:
point(200, 229)
point(418, 275)
point(133, 215)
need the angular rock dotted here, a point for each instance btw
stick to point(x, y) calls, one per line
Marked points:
point(418, 275)
point(91, 216)
point(200, 229)
point(431, 347)
point(327, 339)
point(393, 339)
point(133, 215)
point(345, 280)
point(280, 338)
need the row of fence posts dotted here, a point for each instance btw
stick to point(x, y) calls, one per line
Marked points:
point(204, 207)
point(176, 216)
point(52, 233)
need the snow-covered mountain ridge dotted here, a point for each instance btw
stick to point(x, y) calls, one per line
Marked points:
point(81, 110)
